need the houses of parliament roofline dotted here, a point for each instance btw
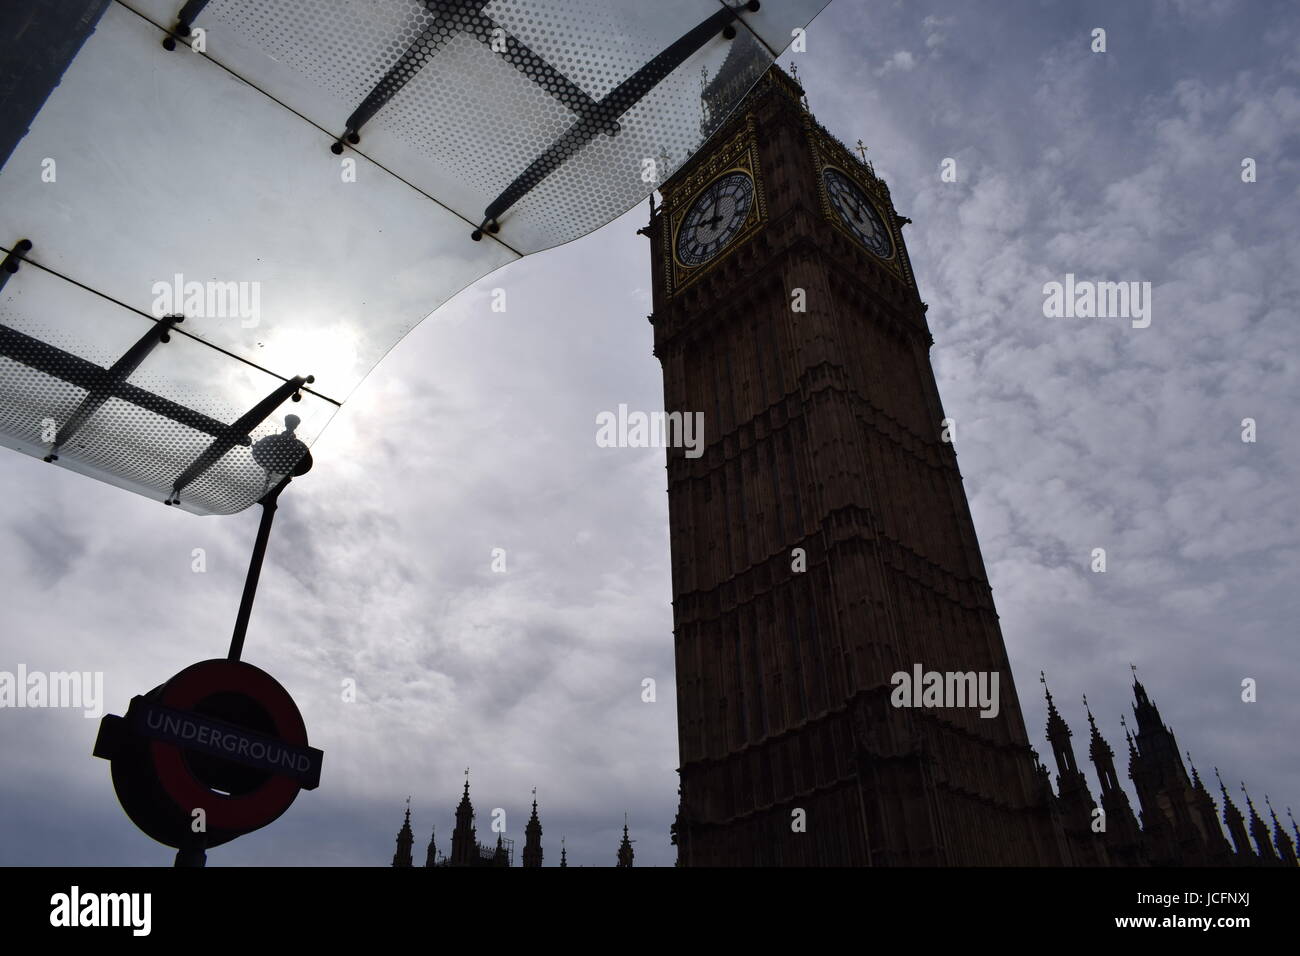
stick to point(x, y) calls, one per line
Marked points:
point(1177, 821)
point(466, 850)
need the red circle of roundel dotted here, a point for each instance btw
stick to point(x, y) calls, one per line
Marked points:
point(250, 810)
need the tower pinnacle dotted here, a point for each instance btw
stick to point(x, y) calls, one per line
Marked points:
point(1235, 823)
point(533, 837)
point(405, 840)
point(431, 853)
point(1281, 839)
point(625, 852)
point(1259, 830)
point(464, 838)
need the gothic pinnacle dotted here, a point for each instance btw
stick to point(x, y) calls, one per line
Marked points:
point(1271, 812)
point(1196, 777)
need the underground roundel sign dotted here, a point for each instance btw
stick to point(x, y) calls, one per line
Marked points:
point(223, 737)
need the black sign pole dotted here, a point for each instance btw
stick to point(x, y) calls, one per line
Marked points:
point(269, 504)
point(191, 856)
point(277, 454)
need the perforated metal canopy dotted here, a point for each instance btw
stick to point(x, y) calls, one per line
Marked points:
point(255, 216)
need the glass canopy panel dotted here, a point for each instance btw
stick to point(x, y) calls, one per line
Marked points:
point(143, 427)
point(774, 22)
point(207, 184)
point(179, 188)
point(567, 101)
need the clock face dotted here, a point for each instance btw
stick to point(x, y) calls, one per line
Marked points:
point(857, 212)
point(715, 218)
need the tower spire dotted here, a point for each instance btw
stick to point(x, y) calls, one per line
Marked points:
point(1236, 824)
point(564, 859)
point(431, 853)
point(533, 837)
point(1220, 850)
point(405, 840)
point(1057, 729)
point(625, 853)
point(1074, 798)
point(1058, 732)
point(1259, 830)
point(1173, 815)
point(1123, 836)
point(464, 838)
point(1097, 746)
point(1196, 777)
point(1281, 839)
point(1132, 747)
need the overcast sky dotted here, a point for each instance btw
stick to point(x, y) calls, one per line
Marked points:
point(478, 432)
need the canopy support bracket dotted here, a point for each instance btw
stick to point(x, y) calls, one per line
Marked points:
point(184, 22)
point(11, 261)
point(237, 433)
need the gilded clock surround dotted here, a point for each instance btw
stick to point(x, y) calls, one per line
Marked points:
point(839, 220)
point(685, 223)
point(739, 154)
point(829, 153)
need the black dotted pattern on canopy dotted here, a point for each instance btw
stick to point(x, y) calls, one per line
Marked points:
point(137, 403)
point(539, 113)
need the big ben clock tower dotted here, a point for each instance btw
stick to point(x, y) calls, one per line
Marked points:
point(822, 543)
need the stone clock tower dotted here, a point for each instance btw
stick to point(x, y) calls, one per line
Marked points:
point(822, 542)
